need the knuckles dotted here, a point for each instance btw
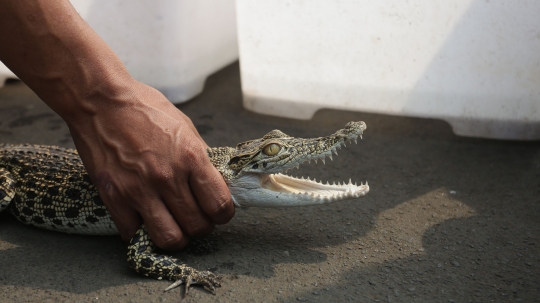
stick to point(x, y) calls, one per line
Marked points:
point(169, 239)
point(195, 157)
point(161, 175)
point(222, 210)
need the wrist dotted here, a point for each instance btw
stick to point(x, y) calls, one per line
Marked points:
point(116, 101)
point(109, 93)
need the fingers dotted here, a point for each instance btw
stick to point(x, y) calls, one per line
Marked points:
point(203, 201)
point(127, 220)
point(175, 192)
point(187, 212)
point(190, 213)
point(212, 192)
point(131, 222)
point(162, 227)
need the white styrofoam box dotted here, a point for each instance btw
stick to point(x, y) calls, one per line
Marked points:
point(172, 45)
point(475, 64)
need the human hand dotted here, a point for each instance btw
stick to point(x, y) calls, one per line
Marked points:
point(145, 156)
point(147, 160)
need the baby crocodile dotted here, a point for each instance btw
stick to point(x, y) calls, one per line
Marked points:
point(48, 187)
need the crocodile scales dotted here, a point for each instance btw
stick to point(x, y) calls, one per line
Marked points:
point(48, 187)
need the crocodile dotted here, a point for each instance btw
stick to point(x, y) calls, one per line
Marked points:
point(48, 187)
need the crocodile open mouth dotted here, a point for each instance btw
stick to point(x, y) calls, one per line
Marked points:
point(300, 186)
point(281, 183)
point(263, 183)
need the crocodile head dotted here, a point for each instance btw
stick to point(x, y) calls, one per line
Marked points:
point(254, 170)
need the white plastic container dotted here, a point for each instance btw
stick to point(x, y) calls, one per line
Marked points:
point(172, 45)
point(475, 64)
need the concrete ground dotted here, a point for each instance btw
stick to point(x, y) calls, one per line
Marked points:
point(448, 219)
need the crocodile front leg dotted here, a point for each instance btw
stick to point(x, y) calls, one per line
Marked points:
point(142, 259)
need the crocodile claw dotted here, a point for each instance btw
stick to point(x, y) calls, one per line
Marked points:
point(205, 278)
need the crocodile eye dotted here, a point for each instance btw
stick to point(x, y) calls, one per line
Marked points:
point(271, 149)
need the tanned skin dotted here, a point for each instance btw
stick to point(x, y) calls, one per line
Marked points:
point(144, 155)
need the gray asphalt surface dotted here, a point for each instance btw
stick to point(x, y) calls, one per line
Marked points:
point(448, 219)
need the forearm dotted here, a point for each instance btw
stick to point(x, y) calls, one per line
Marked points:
point(52, 49)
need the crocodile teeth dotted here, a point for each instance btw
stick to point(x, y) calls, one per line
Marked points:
point(331, 158)
point(324, 162)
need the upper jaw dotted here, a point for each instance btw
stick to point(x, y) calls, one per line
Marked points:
point(320, 148)
point(298, 150)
